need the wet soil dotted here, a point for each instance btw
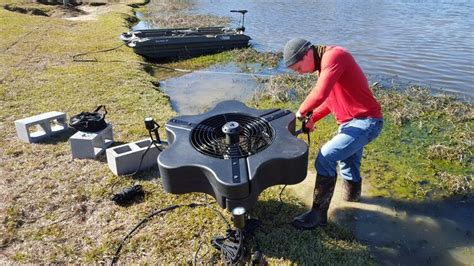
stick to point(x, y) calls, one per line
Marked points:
point(404, 233)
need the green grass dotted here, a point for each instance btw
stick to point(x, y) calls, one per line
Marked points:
point(425, 149)
point(58, 210)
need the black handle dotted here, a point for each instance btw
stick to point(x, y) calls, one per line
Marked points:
point(240, 11)
point(100, 107)
point(305, 121)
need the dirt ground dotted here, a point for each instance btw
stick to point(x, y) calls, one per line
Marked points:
point(87, 12)
point(74, 13)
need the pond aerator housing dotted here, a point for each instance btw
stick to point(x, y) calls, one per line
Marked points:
point(233, 153)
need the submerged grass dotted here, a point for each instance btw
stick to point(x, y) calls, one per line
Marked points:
point(58, 210)
point(173, 14)
point(426, 147)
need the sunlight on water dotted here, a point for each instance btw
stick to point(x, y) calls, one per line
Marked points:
point(429, 43)
point(196, 92)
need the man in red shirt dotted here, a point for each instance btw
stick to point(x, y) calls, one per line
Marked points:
point(342, 90)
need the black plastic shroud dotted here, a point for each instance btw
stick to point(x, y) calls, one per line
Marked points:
point(267, 154)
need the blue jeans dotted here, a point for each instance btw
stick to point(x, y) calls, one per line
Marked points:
point(346, 148)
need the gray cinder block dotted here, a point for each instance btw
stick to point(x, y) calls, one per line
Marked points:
point(125, 159)
point(89, 145)
point(39, 127)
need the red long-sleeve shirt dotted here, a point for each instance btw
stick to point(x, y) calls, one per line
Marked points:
point(342, 89)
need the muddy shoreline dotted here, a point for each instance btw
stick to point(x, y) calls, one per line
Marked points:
point(58, 210)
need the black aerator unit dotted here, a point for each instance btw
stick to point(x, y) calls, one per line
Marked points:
point(233, 153)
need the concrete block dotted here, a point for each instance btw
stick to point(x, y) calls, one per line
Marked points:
point(125, 159)
point(89, 145)
point(39, 127)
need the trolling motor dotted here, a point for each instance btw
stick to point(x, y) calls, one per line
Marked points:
point(241, 29)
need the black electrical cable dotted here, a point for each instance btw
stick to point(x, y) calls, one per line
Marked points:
point(153, 142)
point(309, 139)
point(75, 57)
point(197, 252)
point(229, 227)
point(280, 206)
point(164, 210)
point(128, 195)
point(220, 215)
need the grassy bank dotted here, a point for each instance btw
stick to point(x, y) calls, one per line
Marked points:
point(425, 150)
point(58, 210)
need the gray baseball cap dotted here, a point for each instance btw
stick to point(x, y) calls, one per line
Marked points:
point(294, 50)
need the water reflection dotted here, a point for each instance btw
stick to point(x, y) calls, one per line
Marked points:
point(424, 42)
point(196, 92)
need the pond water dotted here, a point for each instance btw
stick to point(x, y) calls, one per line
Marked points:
point(430, 43)
point(197, 91)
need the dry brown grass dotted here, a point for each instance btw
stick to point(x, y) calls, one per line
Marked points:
point(285, 88)
point(460, 153)
point(172, 14)
point(56, 210)
point(456, 184)
point(169, 5)
point(416, 102)
point(184, 21)
point(250, 55)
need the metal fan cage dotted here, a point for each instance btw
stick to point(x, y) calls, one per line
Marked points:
point(209, 139)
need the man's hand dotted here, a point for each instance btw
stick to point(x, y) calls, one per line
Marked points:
point(300, 116)
point(310, 125)
point(307, 121)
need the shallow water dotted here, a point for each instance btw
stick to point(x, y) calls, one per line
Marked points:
point(430, 43)
point(196, 92)
point(404, 233)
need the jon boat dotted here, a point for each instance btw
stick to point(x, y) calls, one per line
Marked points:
point(186, 42)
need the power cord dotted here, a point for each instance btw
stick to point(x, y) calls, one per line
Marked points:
point(229, 228)
point(76, 58)
point(161, 211)
point(218, 213)
point(280, 206)
point(151, 126)
point(197, 251)
point(303, 129)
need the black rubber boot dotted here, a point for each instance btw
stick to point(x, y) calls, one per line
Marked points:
point(318, 215)
point(351, 190)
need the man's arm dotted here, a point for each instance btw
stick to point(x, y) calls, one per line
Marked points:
point(328, 77)
point(320, 112)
